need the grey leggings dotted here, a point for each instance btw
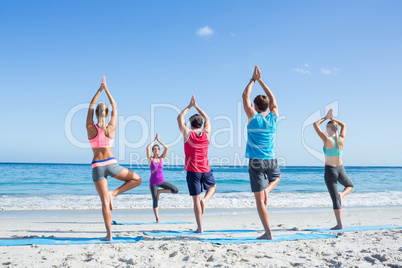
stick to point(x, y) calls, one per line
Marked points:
point(164, 185)
point(333, 175)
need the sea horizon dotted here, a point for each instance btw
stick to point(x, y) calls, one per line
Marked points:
point(54, 186)
point(212, 166)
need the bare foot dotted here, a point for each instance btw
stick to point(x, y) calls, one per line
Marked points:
point(266, 236)
point(337, 227)
point(111, 200)
point(107, 238)
point(202, 206)
point(157, 220)
point(198, 231)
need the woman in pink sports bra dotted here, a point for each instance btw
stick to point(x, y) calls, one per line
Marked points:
point(104, 164)
point(157, 179)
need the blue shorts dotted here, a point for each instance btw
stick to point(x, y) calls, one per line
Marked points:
point(196, 181)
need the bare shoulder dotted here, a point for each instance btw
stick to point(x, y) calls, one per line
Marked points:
point(329, 142)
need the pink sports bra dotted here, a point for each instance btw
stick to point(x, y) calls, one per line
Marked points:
point(101, 141)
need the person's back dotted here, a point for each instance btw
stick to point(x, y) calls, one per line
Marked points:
point(334, 171)
point(196, 151)
point(263, 167)
point(104, 164)
point(199, 174)
point(261, 136)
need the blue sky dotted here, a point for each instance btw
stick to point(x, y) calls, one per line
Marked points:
point(155, 54)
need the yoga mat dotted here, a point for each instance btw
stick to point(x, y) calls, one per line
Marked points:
point(185, 233)
point(356, 228)
point(66, 241)
point(150, 223)
point(249, 240)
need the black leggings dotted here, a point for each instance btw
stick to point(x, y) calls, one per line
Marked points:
point(164, 185)
point(333, 175)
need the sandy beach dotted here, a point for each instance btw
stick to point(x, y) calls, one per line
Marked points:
point(349, 249)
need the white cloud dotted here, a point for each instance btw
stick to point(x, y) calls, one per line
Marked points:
point(333, 71)
point(302, 71)
point(205, 31)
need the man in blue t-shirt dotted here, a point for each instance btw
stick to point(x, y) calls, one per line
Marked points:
point(263, 166)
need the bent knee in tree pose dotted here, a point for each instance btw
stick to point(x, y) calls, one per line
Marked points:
point(199, 173)
point(263, 167)
point(334, 169)
point(104, 164)
point(157, 179)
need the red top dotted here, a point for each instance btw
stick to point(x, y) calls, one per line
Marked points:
point(196, 150)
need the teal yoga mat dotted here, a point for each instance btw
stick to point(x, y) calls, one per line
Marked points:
point(356, 228)
point(66, 241)
point(150, 223)
point(277, 238)
point(185, 233)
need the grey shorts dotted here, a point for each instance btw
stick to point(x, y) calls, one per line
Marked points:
point(261, 171)
point(100, 173)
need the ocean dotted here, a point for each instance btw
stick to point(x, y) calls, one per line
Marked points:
point(27, 186)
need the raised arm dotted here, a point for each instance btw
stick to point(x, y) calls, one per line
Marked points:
point(207, 122)
point(181, 119)
point(166, 149)
point(149, 156)
point(321, 134)
point(273, 106)
point(247, 105)
point(90, 115)
point(113, 119)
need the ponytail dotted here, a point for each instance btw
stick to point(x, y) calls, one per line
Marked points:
point(102, 111)
point(337, 142)
point(334, 127)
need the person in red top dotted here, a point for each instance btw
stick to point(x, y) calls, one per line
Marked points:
point(199, 173)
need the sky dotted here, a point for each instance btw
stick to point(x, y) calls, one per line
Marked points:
point(313, 55)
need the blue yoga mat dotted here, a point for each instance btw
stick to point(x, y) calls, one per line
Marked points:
point(66, 241)
point(356, 228)
point(150, 223)
point(249, 240)
point(185, 233)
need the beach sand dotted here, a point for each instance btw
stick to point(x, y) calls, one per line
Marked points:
point(349, 249)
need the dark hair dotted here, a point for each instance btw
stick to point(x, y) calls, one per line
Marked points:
point(196, 121)
point(156, 145)
point(262, 102)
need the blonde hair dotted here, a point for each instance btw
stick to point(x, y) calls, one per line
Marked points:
point(102, 111)
point(334, 127)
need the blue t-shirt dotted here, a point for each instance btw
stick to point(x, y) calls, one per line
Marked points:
point(261, 136)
